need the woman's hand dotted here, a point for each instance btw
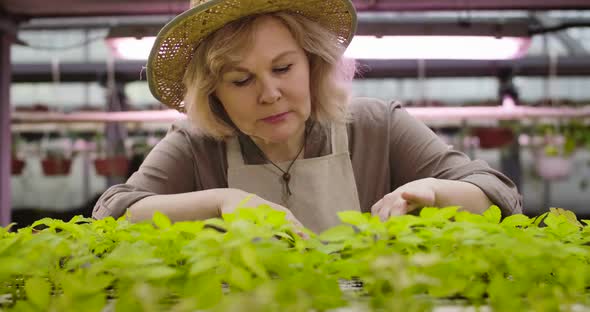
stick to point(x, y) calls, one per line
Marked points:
point(233, 197)
point(404, 199)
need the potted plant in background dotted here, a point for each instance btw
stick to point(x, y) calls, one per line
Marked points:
point(109, 164)
point(56, 163)
point(580, 132)
point(554, 148)
point(493, 137)
point(16, 164)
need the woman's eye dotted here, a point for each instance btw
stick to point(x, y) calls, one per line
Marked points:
point(282, 69)
point(242, 82)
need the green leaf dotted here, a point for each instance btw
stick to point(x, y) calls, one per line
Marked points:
point(217, 224)
point(240, 278)
point(560, 225)
point(428, 212)
point(161, 220)
point(159, 272)
point(284, 235)
point(448, 212)
point(47, 222)
point(276, 218)
point(330, 248)
point(242, 203)
point(192, 227)
point(206, 289)
point(466, 216)
point(552, 220)
point(493, 214)
point(517, 220)
point(81, 219)
point(6, 229)
point(570, 145)
point(353, 217)
point(337, 233)
point(203, 266)
point(538, 219)
point(568, 215)
point(38, 291)
point(251, 261)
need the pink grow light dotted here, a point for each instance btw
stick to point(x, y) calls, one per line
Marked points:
point(387, 47)
point(508, 103)
point(438, 47)
point(129, 48)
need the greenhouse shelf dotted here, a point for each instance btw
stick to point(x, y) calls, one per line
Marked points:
point(439, 116)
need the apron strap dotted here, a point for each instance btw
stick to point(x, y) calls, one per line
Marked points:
point(234, 154)
point(339, 138)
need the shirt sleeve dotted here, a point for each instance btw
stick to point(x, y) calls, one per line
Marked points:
point(416, 152)
point(169, 168)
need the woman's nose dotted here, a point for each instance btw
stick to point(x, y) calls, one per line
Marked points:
point(270, 91)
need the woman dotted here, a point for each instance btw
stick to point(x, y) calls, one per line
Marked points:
point(265, 88)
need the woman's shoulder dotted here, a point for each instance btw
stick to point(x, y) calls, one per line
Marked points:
point(182, 131)
point(369, 104)
point(373, 110)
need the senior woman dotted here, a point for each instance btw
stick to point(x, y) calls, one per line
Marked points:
point(266, 91)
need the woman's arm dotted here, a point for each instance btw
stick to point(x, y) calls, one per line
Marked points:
point(198, 205)
point(431, 192)
point(417, 153)
point(460, 193)
point(170, 168)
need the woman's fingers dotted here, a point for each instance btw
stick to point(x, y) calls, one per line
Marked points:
point(404, 199)
point(389, 205)
point(375, 208)
point(385, 209)
point(400, 207)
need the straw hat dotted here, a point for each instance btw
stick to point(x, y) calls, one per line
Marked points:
point(177, 41)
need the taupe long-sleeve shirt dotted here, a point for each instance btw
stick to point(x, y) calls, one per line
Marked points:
point(388, 149)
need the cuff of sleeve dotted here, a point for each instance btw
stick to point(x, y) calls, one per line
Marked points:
point(499, 193)
point(114, 202)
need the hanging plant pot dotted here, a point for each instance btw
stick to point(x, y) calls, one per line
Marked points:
point(56, 166)
point(112, 166)
point(493, 137)
point(553, 168)
point(17, 166)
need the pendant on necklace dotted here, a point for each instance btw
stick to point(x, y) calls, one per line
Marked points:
point(286, 177)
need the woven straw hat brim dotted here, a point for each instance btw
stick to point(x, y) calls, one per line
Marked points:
point(176, 42)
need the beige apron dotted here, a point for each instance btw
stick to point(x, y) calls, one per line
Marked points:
point(320, 187)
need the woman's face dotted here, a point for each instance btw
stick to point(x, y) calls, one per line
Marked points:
point(266, 94)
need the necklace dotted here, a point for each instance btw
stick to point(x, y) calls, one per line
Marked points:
point(218, 109)
point(286, 175)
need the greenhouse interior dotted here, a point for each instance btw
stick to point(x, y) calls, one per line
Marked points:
point(506, 83)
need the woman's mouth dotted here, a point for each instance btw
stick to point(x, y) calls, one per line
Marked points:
point(276, 118)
